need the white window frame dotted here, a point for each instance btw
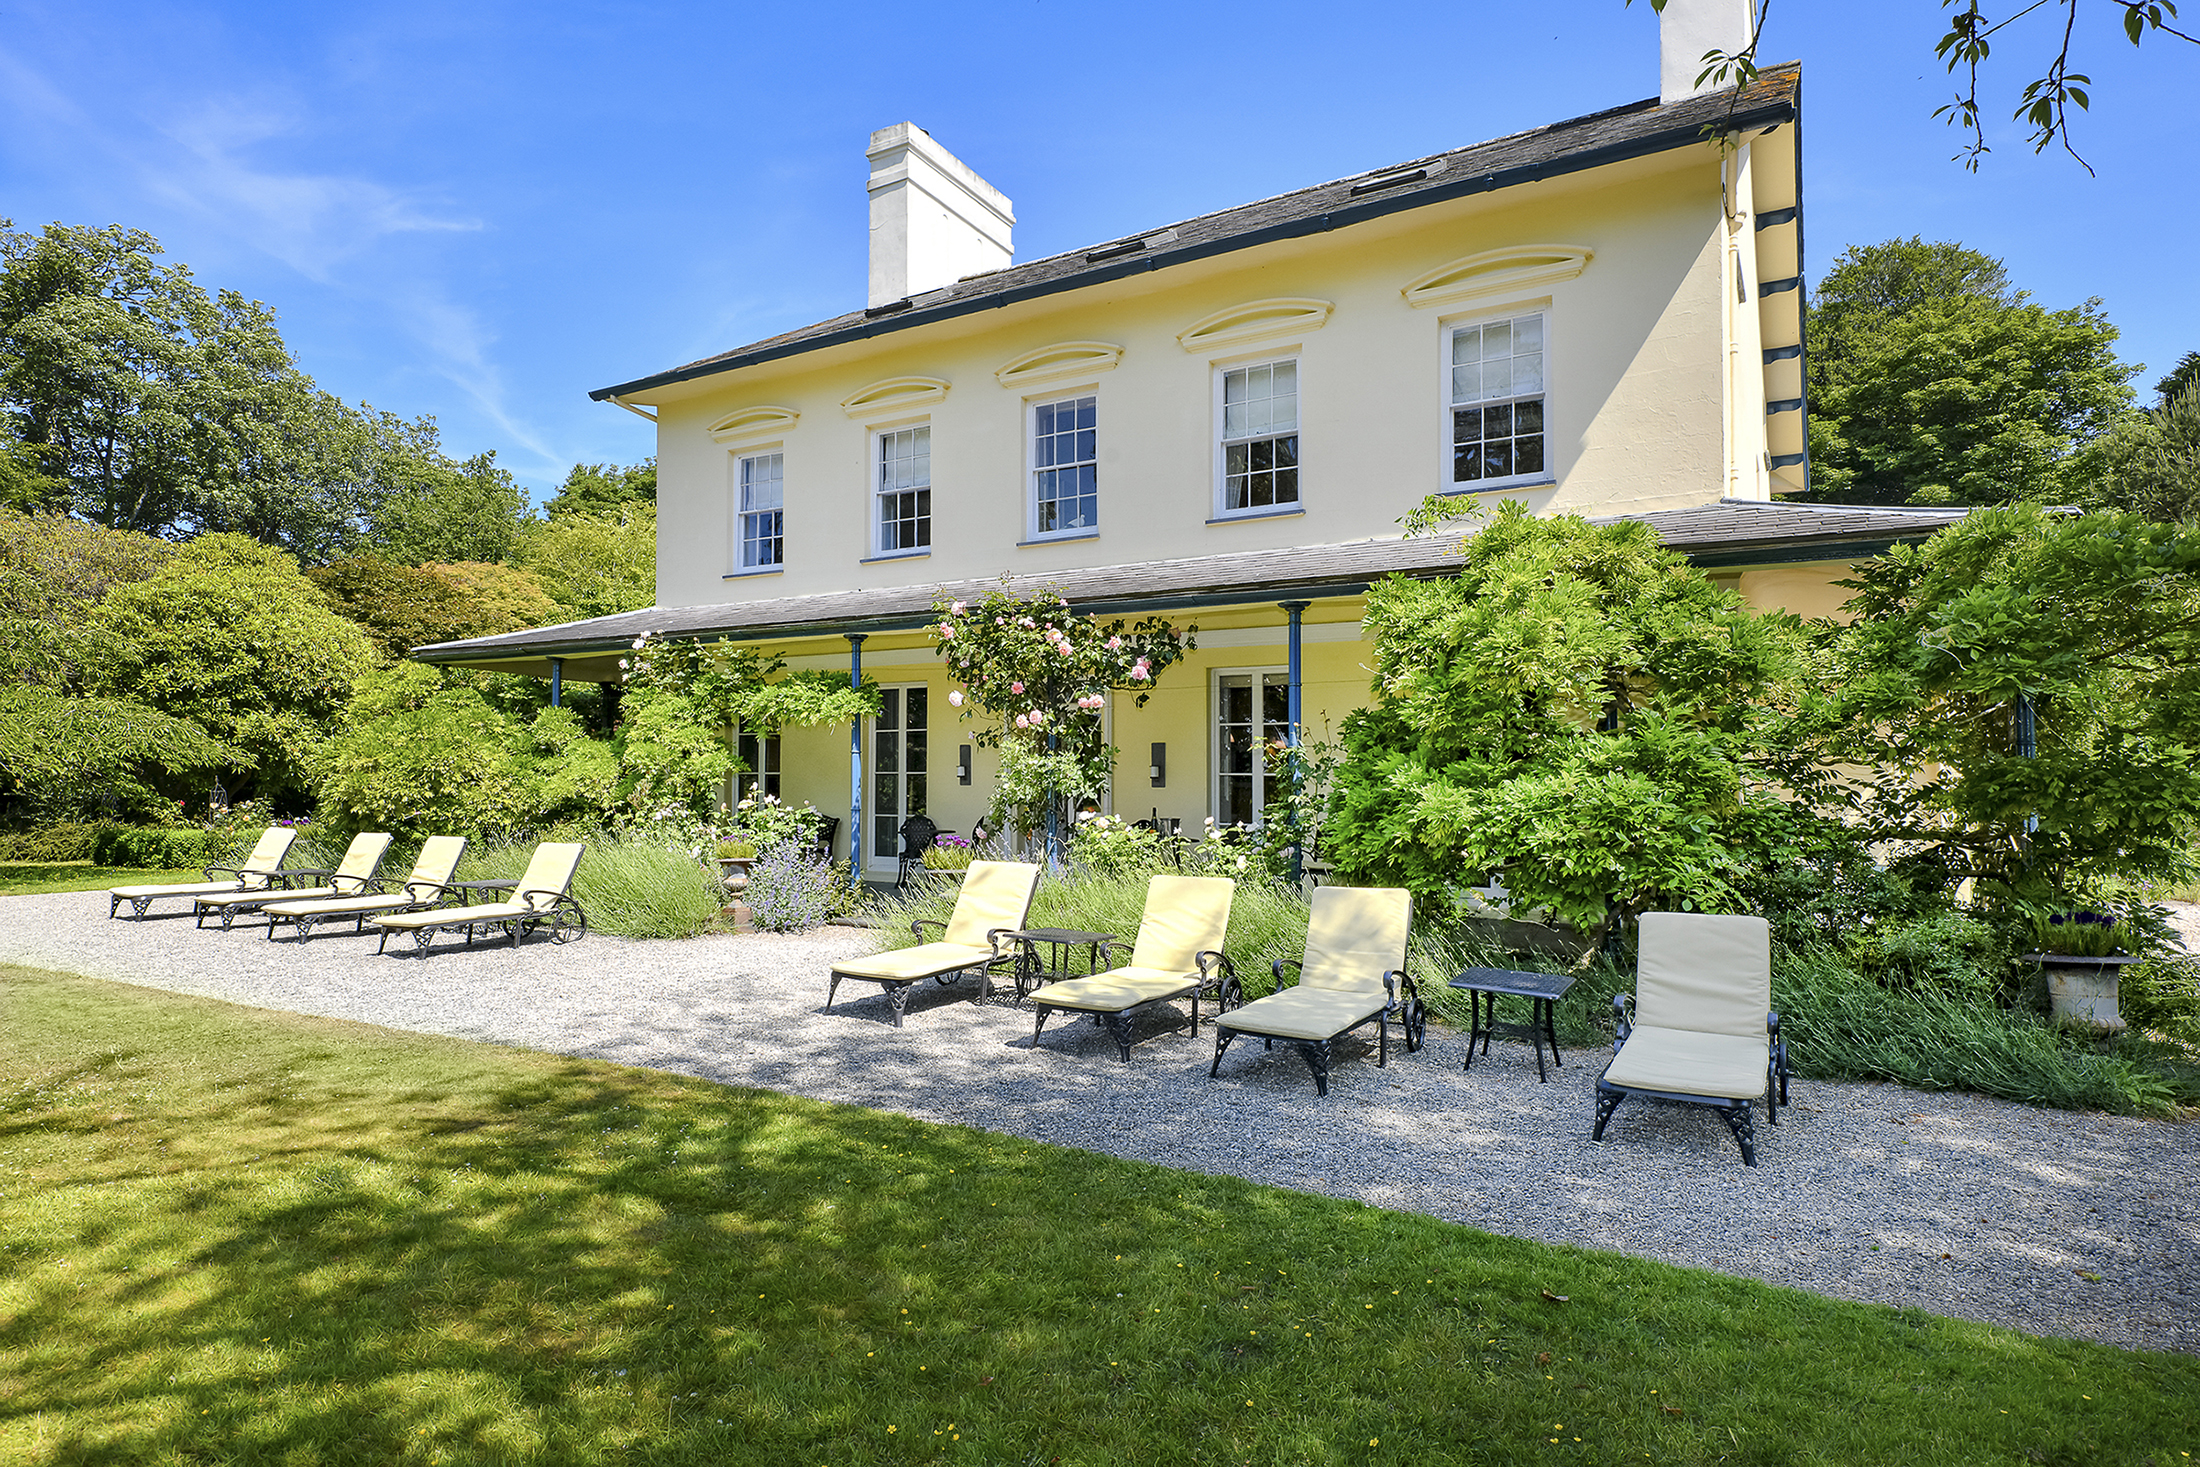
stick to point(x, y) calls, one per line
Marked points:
point(1033, 468)
point(741, 462)
point(1223, 510)
point(875, 508)
point(1450, 327)
point(1260, 676)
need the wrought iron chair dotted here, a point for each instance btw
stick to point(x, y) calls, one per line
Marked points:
point(540, 899)
point(1354, 973)
point(820, 847)
point(1699, 1027)
point(261, 871)
point(1178, 955)
point(918, 833)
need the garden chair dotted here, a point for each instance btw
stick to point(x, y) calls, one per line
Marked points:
point(1702, 1029)
point(1354, 973)
point(539, 899)
point(918, 833)
point(1178, 954)
point(993, 902)
point(353, 876)
point(260, 871)
point(430, 879)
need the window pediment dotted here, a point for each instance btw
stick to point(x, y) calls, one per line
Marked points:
point(1062, 359)
point(894, 392)
point(752, 422)
point(1278, 316)
point(1494, 271)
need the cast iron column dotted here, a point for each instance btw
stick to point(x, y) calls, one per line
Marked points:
point(1294, 609)
point(855, 764)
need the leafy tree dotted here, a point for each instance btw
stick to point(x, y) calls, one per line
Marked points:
point(65, 758)
point(52, 570)
point(596, 565)
point(231, 635)
point(1933, 382)
point(437, 510)
point(2148, 463)
point(1580, 711)
point(2094, 622)
point(600, 489)
point(418, 756)
point(149, 405)
point(2185, 374)
point(403, 606)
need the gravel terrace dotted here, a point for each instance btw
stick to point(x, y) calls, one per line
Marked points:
point(2079, 1225)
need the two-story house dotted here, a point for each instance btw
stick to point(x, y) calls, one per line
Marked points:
point(1224, 418)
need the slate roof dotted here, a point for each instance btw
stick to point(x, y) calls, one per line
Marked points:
point(1633, 131)
point(1731, 531)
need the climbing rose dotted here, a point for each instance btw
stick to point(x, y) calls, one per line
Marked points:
point(1015, 687)
point(956, 698)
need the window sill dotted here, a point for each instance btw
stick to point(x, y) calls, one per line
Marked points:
point(1058, 539)
point(1547, 483)
point(1258, 514)
point(754, 570)
point(895, 555)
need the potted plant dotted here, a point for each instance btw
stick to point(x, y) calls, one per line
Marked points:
point(2082, 954)
point(734, 855)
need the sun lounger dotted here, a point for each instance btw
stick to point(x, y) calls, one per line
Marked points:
point(993, 902)
point(1353, 974)
point(1702, 1030)
point(539, 899)
point(428, 884)
point(352, 877)
point(261, 871)
point(1178, 955)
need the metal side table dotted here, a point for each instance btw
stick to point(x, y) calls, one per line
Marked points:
point(1487, 985)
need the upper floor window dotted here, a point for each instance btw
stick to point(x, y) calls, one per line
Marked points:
point(1260, 437)
point(904, 490)
point(1065, 471)
point(762, 529)
point(1497, 402)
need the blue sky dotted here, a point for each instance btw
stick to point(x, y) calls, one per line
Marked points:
point(484, 211)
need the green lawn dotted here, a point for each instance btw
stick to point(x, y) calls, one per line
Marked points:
point(28, 878)
point(234, 1235)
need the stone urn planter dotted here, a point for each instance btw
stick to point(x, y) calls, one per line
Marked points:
point(734, 872)
point(2081, 991)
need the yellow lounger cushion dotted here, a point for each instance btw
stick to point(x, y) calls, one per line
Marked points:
point(304, 904)
point(1116, 990)
point(906, 965)
point(457, 916)
point(1305, 1013)
point(198, 888)
point(994, 894)
point(1687, 1062)
point(261, 895)
point(1709, 974)
point(1354, 935)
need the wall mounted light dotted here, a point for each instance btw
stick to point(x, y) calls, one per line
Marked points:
point(1157, 769)
point(962, 769)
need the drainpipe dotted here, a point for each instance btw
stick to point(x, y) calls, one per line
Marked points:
point(855, 763)
point(557, 682)
point(1294, 609)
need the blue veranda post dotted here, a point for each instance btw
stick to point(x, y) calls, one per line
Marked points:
point(855, 763)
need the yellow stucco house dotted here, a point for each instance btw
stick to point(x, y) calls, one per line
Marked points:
point(1224, 418)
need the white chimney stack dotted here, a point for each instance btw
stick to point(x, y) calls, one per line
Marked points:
point(1689, 28)
point(933, 221)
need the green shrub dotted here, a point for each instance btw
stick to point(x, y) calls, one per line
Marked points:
point(628, 888)
point(1946, 952)
point(2163, 994)
point(67, 842)
point(150, 849)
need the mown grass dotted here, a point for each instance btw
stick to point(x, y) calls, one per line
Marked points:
point(33, 878)
point(241, 1236)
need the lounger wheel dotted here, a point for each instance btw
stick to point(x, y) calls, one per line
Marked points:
point(1416, 1025)
point(1231, 996)
point(569, 925)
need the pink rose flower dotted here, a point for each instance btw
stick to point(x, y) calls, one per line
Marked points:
point(1022, 721)
point(1015, 687)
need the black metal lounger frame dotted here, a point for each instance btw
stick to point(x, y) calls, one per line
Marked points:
point(1411, 1013)
point(1735, 1113)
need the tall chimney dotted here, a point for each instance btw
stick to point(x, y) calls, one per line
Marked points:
point(933, 221)
point(1689, 28)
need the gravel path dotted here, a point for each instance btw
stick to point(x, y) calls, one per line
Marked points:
point(2078, 1225)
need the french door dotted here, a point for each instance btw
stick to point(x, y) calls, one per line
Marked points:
point(1252, 723)
point(898, 762)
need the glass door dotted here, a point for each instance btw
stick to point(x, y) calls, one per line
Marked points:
point(1252, 724)
point(897, 769)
